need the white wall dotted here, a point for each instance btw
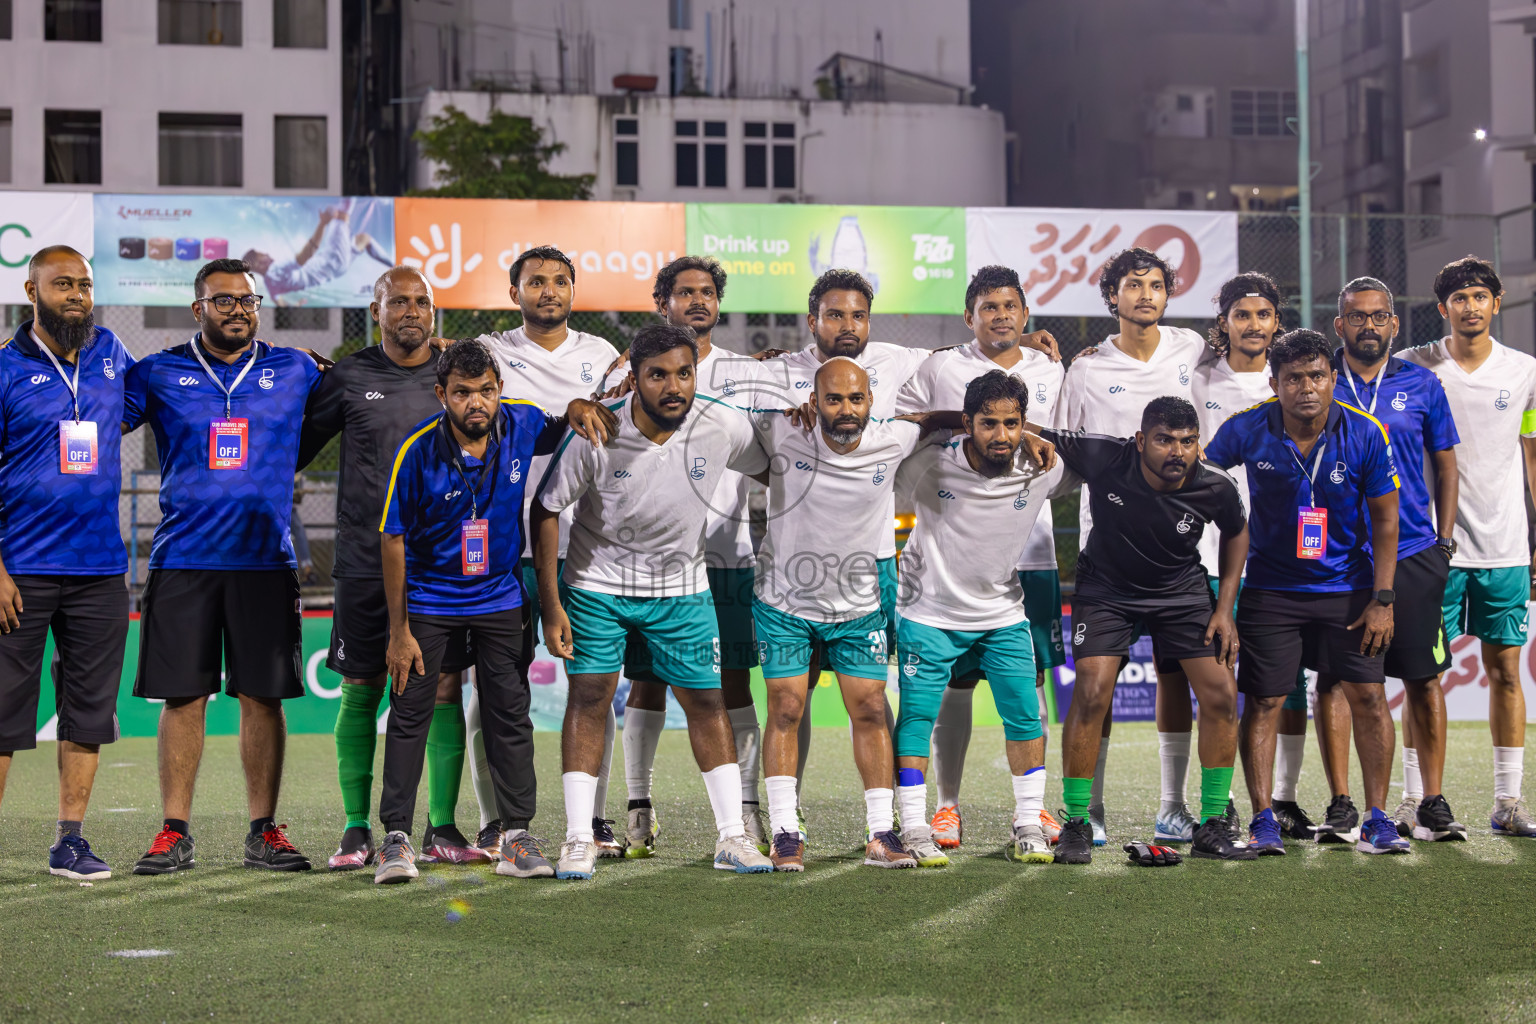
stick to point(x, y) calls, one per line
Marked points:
point(131, 79)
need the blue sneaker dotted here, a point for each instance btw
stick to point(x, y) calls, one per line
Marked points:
point(1264, 835)
point(1379, 835)
point(71, 857)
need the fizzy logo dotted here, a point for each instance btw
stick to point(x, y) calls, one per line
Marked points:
point(1185, 524)
point(621, 474)
point(1339, 469)
point(443, 264)
point(107, 370)
point(586, 373)
point(947, 495)
point(879, 477)
point(187, 381)
point(932, 249)
point(1078, 633)
point(1502, 402)
point(800, 464)
point(41, 378)
point(266, 379)
point(1400, 402)
point(374, 396)
point(697, 470)
point(1115, 389)
point(1183, 373)
point(517, 471)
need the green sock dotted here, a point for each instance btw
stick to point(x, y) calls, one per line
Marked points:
point(445, 763)
point(357, 732)
point(1075, 794)
point(1215, 790)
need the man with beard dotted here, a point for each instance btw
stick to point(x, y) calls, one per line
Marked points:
point(996, 312)
point(62, 559)
point(636, 563)
point(547, 362)
point(452, 534)
point(1410, 402)
point(1140, 570)
point(223, 593)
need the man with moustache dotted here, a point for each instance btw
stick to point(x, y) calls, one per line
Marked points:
point(62, 559)
point(223, 593)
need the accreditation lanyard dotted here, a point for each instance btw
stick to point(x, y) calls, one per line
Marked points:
point(77, 438)
point(474, 532)
point(228, 438)
point(1350, 378)
point(1311, 520)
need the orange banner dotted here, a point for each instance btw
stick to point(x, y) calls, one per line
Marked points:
point(464, 246)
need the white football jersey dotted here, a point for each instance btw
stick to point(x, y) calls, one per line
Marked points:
point(733, 379)
point(1220, 393)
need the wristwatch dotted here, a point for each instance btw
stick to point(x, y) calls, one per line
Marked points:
point(1447, 546)
point(1385, 596)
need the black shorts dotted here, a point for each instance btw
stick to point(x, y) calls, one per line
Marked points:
point(1283, 631)
point(1419, 649)
point(1107, 627)
point(89, 619)
point(198, 624)
point(360, 633)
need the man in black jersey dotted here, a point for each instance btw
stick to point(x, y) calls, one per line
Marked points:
point(1140, 572)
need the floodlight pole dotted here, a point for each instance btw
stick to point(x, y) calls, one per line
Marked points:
point(1304, 163)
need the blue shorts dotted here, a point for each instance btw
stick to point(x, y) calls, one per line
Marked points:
point(681, 633)
point(785, 643)
point(930, 655)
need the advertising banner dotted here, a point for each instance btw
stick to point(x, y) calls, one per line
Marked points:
point(914, 256)
point(306, 250)
point(465, 247)
point(31, 220)
point(1058, 252)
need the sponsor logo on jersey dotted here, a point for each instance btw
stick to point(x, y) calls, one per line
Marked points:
point(1213, 405)
point(1400, 402)
point(517, 471)
point(187, 381)
point(802, 383)
point(1115, 498)
point(41, 378)
point(1183, 373)
point(1115, 389)
point(451, 495)
point(1186, 523)
point(800, 464)
point(1339, 469)
point(947, 495)
point(621, 474)
point(1265, 465)
point(1022, 500)
point(517, 365)
point(879, 477)
point(374, 396)
point(107, 370)
point(697, 471)
point(586, 373)
point(728, 387)
point(266, 379)
point(1502, 402)
point(1040, 394)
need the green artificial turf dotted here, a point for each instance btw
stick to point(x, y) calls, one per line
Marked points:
point(1320, 934)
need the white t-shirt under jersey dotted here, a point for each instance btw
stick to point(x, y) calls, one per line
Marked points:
point(640, 507)
point(827, 514)
point(940, 383)
point(955, 572)
point(1220, 393)
point(1493, 406)
point(1105, 391)
point(553, 379)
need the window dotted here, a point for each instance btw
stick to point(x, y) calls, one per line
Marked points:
point(299, 149)
point(686, 155)
point(199, 23)
point(786, 319)
point(1427, 199)
point(783, 154)
point(1425, 96)
point(626, 152)
point(201, 150)
point(680, 14)
point(754, 155)
point(757, 319)
point(680, 67)
point(72, 21)
point(5, 143)
point(1262, 112)
point(714, 154)
point(1375, 131)
point(298, 24)
point(5, 19)
point(72, 143)
point(301, 318)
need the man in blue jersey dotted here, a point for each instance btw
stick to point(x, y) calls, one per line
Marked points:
point(1321, 562)
point(226, 409)
point(1410, 402)
point(61, 551)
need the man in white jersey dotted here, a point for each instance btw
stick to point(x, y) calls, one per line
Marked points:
point(688, 292)
point(962, 606)
point(1233, 376)
point(547, 362)
point(1492, 393)
point(636, 562)
point(1105, 390)
point(996, 312)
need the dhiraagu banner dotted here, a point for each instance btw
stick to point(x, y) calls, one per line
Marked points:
point(914, 256)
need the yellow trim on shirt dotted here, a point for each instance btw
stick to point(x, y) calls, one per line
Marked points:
point(395, 472)
point(1385, 436)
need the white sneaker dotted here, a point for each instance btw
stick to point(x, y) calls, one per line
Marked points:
point(1174, 825)
point(752, 822)
point(578, 859)
point(1096, 821)
point(641, 832)
point(1029, 845)
point(741, 855)
point(397, 860)
point(920, 842)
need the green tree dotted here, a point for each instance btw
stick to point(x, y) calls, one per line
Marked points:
point(503, 157)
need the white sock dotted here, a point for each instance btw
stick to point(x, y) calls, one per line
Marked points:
point(1289, 751)
point(479, 765)
point(642, 733)
point(1173, 755)
point(580, 797)
point(605, 767)
point(723, 785)
point(877, 810)
point(1508, 770)
point(951, 737)
point(749, 744)
point(913, 801)
point(803, 737)
point(1029, 796)
point(781, 804)
point(1413, 782)
point(1096, 791)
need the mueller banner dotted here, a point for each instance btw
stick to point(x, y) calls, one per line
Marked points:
point(913, 256)
point(1058, 253)
point(31, 220)
point(305, 250)
point(465, 247)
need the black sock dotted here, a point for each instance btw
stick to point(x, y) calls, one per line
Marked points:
point(633, 804)
point(178, 825)
point(750, 803)
point(260, 825)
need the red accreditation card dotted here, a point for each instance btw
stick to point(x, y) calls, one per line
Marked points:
point(77, 447)
point(228, 444)
point(1311, 532)
point(474, 546)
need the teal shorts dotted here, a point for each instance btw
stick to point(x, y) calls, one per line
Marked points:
point(531, 593)
point(1042, 603)
point(886, 567)
point(929, 655)
point(1490, 604)
point(731, 591)
point(785, 643)
point(681, 633)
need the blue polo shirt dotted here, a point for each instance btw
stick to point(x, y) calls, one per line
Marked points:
point(1410, 402)
point(54, 523)
point(222, 518)
point(1356, 465)
point(434, 489)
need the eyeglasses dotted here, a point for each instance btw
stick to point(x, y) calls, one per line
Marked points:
point(1378, 318)
point(227, 303)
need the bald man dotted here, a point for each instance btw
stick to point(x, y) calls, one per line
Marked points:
point(818, 587)
point(373, 398)
point(62, 560)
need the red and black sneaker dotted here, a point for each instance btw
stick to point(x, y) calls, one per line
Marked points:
point(171, 851)
point(271, 851)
